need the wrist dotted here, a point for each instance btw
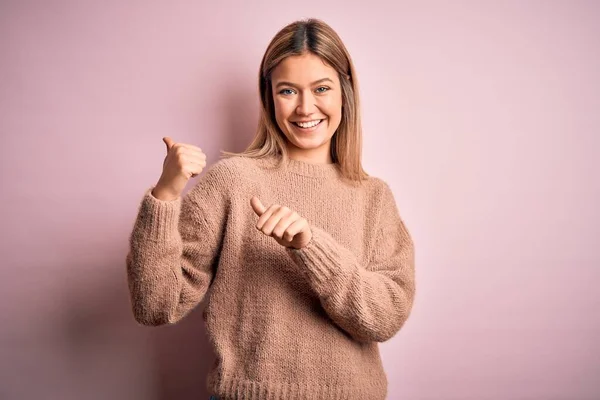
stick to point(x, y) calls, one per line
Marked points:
point(164, 194)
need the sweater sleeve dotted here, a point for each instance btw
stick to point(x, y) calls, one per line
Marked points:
point(173, 249)
point(370, 302)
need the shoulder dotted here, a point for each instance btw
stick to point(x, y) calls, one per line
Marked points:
point(214, 182)
point(223, 166)
point(244, 169)
point(377, 189)
point(381, 199)
point(230, 173)
point(236, 164)
point(217, 185)
point(223, 171)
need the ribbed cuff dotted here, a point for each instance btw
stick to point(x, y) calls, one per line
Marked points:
point(159, 218)
point(324, 263)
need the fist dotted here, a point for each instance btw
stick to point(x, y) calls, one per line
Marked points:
point(287, 227)
point(182, 162)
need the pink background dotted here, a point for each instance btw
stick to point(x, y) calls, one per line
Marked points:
point(484, 117)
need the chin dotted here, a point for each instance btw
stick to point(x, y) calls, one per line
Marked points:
point(310, 144)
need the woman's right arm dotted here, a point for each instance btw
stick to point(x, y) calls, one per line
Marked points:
point(173, 248)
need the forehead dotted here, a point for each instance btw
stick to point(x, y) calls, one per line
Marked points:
point(303, 69)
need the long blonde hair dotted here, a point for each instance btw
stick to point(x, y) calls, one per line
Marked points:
point(315, 36)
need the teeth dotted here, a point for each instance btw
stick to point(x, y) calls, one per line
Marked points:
point(308, 124)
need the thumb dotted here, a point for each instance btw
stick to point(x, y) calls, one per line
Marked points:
point(257, 206)
point(169, 142)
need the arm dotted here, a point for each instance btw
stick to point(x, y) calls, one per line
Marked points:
point(173, 248)
point(372, 302)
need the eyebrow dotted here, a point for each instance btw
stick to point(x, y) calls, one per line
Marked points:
point(283, 83)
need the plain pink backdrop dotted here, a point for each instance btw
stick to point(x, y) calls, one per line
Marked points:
point(484, 117)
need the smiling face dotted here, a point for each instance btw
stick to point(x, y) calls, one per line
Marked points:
point(307, 91)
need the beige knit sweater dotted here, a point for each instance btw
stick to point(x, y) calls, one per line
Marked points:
point(285, 323)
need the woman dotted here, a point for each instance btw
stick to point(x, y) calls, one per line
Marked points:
point(302, 257)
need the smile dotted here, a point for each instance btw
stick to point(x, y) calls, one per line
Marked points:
point(308, 126)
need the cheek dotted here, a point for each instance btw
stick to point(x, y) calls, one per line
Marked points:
point(282, 108)
point(332, 106)
point(282, 114)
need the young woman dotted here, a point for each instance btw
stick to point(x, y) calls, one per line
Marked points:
point(303, 259)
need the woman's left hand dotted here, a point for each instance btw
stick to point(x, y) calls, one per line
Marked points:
point(287, 227)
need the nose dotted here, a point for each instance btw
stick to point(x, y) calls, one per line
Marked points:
point(306, 104)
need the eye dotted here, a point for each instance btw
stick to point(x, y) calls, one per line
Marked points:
point(282, 91)
point(323, 87)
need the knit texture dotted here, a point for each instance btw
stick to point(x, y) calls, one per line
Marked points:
point(284, 323)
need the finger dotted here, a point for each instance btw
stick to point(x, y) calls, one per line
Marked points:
point(169, 142)
point(190, 146)
point(284, 223)
point(180, 148)
point(262, 220)
point(277, 216)
point(194, 157)
point(196, 168)
point(295, 228)
point(257, 206)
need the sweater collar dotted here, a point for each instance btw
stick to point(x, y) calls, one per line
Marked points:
point(305, 168)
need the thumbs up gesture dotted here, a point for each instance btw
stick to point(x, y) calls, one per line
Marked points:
point(182, 162)
point(287, 227)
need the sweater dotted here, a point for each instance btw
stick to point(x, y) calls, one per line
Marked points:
point(284, 323)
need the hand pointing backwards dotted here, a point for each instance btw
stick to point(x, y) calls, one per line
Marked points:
point(182, 162)
point(287, 227)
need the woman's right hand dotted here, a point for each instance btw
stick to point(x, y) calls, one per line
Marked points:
point(183, 161)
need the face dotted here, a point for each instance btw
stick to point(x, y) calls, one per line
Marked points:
point(307, 91)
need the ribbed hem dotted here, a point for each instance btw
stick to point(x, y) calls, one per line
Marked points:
point(160, 217)
point(321, 261)
point(232, 388)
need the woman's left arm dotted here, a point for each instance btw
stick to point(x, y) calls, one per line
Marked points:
point(370, 302)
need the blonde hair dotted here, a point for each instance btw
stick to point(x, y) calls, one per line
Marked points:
point(314, 36)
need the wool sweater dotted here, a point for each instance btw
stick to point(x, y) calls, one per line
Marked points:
point(284, 323)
